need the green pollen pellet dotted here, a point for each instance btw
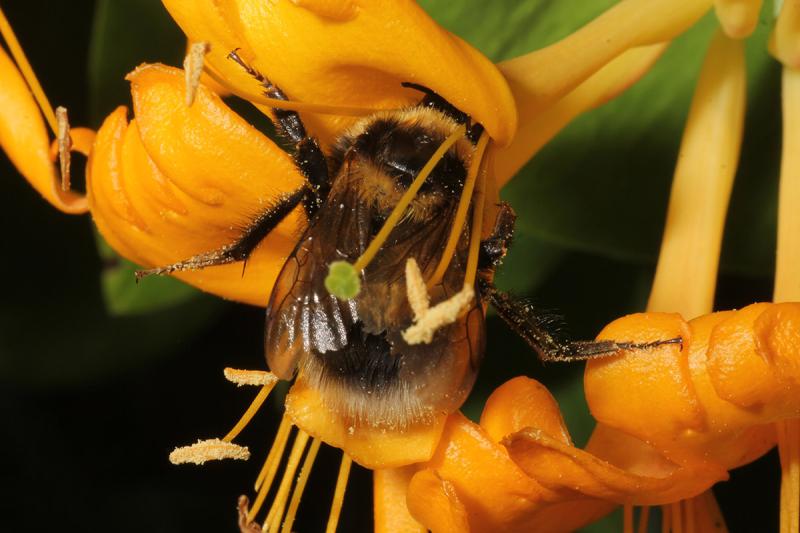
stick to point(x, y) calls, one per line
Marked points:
point(342, 280)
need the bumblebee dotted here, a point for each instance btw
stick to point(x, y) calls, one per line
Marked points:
point(353, 351)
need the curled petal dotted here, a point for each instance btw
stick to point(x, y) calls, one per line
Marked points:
point(548, 74)
point(24, 138)
point(702, 185)
point(437, 501)
point(785, 40)
point(180, 180)
point(350, 54)
point(643, 379)
point(521, 403)
point(538, 126)
point(370, 446)
point(561, 466)
point(738, 17)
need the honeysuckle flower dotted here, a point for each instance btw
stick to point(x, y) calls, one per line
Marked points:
point(177, 180)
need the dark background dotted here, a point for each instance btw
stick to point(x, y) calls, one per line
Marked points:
point(95, 393)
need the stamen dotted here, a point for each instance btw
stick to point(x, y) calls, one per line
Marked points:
point(461, 211)
point(251, 411)
point(278, 445)
point(688, 506)
point(64, 146)
point(428, 321)
point(275, 514)
point(208, 450)
point(789, 451)
point(400, 209)
point(274, 461)
point(476, 227)
point(338, 495)
point(250, 377)
point(290, 105)
point(627, 518)
point(193, 68)
point(666, 518)
point(677, 518)
point(27, 72)
point(305, 471)
point(644, 518)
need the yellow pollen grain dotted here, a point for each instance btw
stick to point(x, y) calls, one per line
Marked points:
point(208, 450)
point(461, 211)
point(64, 146)
point(27, 72)
point(305, 472)
point(275, 515)
point(250, 377)
point(400, 209)
point(338, 494)
point(428, 320)
point(193, 68)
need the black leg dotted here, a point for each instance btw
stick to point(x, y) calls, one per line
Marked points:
point(543, 331)
point(241, 249)
point(434, 101)
point(308, 155)
point(494, 249)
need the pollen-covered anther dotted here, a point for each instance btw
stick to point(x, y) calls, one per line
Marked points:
point(208, 450)
point(250, 377)
point(64, 146)
point(193, 68)
point(428, 320)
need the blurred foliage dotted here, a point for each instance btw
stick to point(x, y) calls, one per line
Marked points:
point(100, 376)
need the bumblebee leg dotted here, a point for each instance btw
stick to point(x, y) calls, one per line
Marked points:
point(308, 156)
point(434, 101)
point(494, 248)
point(541, 331)
point(241, 249)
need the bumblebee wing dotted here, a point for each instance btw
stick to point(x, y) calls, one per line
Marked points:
point(302, 314)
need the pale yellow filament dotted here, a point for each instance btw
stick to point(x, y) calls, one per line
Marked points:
point(687, 266)
point(666, 518)
point(644, 517)
point(627, 518)
point(275, 515)
point(461, 211)
point(787, 286)
point(677, 517)
point(305, 472)
point(289, 105)
point(338, 495)
point(250, 413)
point(27, 72)
point(278, 446)
point(476, 227)
point(400, 209)
point(275, 452)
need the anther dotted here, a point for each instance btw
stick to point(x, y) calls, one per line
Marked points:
point(64, 146)
point(250, 377)
point(208, 450)
point(193, 68)
point(428, 320)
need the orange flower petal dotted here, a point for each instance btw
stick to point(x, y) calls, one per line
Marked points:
point(497, 494)
point(181, 181)
point(738, 17)
point(350, 54)
point(561, 466)
point(777, 332)
point(521, 403)
point(630, 391)
point(784, 43)
point(371, 447)
point(538, 126)
point(437, 500)
point(389, 497)
point(25, 140)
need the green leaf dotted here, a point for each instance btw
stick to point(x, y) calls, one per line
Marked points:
point(602, 185)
